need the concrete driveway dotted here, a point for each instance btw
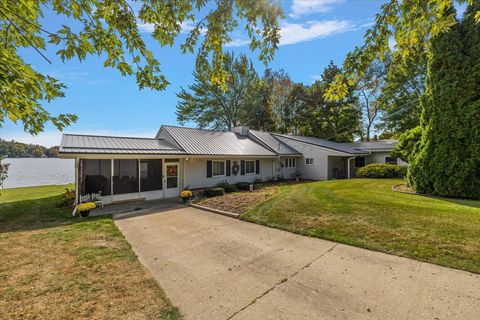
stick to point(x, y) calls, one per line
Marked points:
point(215, 267)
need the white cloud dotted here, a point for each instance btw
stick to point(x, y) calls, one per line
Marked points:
point(305, 7)
point(186, 26)
point(238, 42)
point(291, 33)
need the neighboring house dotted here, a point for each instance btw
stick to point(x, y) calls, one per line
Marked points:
point(125, 168)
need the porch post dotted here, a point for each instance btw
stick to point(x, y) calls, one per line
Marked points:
point(111, 180)
point(77, 182)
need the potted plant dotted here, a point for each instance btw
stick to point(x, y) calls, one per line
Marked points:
point(186, 195)
point(85, 208)
point(297, 175)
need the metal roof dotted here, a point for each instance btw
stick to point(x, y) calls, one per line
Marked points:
point(207, 142)
point(273, 143)
point(350, 148)
point(75, 143)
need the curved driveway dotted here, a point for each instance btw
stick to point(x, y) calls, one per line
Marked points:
point(215, 267)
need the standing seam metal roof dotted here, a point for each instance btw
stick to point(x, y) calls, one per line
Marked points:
point(273, 143)
point(207, 142)
point(72, 143)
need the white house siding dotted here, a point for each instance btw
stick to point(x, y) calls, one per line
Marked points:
point(319, 169)
point(379, 157)
point(196, 172)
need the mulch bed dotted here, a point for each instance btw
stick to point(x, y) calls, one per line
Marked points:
point(239, 202)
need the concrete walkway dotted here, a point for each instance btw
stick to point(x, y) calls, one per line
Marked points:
point(215, 267)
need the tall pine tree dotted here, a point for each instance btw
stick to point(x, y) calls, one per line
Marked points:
point(445, 163)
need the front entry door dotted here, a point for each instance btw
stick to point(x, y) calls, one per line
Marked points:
point(172, 188)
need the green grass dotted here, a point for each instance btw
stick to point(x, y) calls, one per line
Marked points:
point(83, 267)
point(368, 214)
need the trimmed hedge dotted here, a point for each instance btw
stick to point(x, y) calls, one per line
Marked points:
point(213, 192)
point(243, 186)
point(230, 188)
point(386, 170)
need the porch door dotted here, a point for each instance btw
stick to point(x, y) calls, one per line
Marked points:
point(172, 188)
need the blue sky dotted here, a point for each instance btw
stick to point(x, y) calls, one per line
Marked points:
point(312, 33)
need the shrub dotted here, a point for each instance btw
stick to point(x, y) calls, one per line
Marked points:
point(377, 170)
point(186, 194)
point(227, 187)
point(213, 192)
point(243, 185)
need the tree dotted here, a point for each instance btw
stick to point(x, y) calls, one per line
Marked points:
point(400, 96)
point(334, 120)
point(3, 172)
point(280, 86)
point(411, 23)
point(258, 112)
point(368, 90)
point(408, 145)
point(38, 152)
point(447, 159)
point(212, 106)
point(110, 29)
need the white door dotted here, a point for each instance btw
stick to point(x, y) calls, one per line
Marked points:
point(172, 188)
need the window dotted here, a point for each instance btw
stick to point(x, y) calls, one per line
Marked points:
point(125, 176)
point(309, 161)
point(359, 162)
point(391, 160)
point(96, 176)
point(249, 166)
point(172, 175)
point(290, 163)
point(150, 175)
point(218, 168)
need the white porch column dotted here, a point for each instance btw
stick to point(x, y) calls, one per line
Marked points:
point(77, 179)
point(348, 165)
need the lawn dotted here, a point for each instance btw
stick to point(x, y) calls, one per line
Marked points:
point(54, 266)
point(368, 214)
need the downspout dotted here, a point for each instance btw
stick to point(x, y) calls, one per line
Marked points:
point(348, 165)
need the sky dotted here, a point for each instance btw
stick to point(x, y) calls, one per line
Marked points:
point(313, 33)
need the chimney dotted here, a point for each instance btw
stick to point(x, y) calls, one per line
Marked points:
point(241, 130)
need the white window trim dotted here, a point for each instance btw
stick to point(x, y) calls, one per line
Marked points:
point(254, 168)
point(312, 162)
point(224, 168)
point(291, 161)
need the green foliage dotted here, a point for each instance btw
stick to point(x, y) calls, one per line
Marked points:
point(213, 192)
point(14, 149)
point(381, 170)
point(408, 144)
point(334, 120)
point(3, 172)
point(211, 106)
point(411, 24)
point(227, 187)
point(110, 29)
point(447, 161)
point(244, 186)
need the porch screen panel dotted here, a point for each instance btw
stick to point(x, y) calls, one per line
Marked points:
point(125, 176)
point(150, 175)
point(96, 176)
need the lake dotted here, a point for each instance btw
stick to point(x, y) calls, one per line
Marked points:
point(26, 172)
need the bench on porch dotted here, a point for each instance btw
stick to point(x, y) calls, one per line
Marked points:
point(91, 197)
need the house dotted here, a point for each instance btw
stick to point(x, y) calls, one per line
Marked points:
point(125, 168)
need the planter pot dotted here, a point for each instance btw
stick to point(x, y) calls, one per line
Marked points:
point(297, 179)
point(185, 200)
point(85, 213)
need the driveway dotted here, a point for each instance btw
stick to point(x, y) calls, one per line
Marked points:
point(215, 267)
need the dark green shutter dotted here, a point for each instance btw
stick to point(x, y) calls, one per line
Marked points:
point(227, 169)
point(242, 167)
point(209, 169)
point(257, 166)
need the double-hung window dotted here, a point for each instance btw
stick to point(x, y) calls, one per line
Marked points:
point(249, 166)
point(391, 160)
point(309, 161)
point(290, 163)
point(218, 168)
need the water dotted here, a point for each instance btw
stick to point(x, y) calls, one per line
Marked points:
point(26, 172)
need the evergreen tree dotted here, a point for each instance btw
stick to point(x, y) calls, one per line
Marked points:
point(444, 163)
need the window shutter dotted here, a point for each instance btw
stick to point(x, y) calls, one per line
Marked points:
point(242, 167)
point(257, 166)
point(209, 169)
point(227, 169)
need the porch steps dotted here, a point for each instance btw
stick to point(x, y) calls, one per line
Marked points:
point(223, 213)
